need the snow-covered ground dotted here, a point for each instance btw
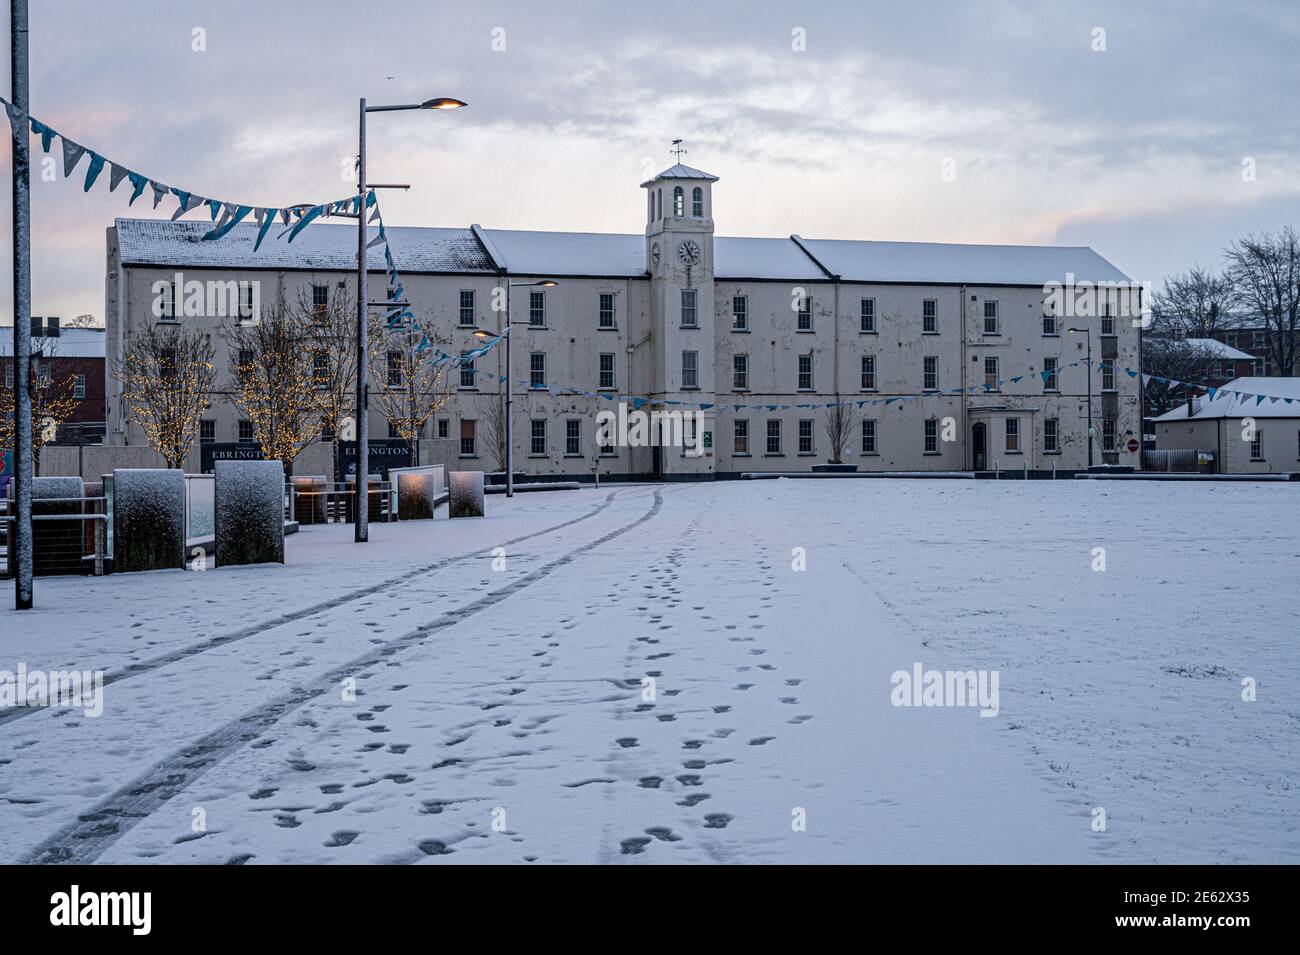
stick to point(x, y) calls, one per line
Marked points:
point(503, 712)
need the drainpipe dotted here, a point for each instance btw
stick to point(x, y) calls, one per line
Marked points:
point(965, 398)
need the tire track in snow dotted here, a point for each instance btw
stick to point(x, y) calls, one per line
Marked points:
point(93, 832)
point(252, 630)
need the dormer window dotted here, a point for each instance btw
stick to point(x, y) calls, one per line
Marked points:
point(697, 202)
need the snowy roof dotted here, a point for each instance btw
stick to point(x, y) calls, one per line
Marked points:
point(736, 258)
point(69, 343)
point(318, 246)
point(1224, 405)
point(944, 263)
point(681, 171)
point(566, 253)
point(1219, 349)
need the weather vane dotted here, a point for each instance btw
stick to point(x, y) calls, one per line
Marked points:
point(678, 149)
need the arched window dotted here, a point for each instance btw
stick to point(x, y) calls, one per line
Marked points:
point(659, 203)
point(679, 201)
point(650, 205)
point(697, 202)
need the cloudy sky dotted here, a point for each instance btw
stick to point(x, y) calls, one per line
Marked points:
point(829, 119)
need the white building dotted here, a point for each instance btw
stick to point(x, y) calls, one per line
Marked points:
point(1245, 435)
point(679, 314)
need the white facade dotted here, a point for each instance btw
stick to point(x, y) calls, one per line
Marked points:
point(1246, 436)
point(879, 320)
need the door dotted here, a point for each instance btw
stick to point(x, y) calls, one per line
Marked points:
point(979, 456)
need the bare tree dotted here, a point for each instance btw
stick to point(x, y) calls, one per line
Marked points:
point(494, 432)
point(1174, 358)
point(413, 384)
point(331, 326)
point(1265, 271)
point(53, 400)
point(1195, 304)
point(167, 376)
point(839, 422)
point(272, 382)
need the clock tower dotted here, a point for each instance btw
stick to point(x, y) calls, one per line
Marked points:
point(679, 258)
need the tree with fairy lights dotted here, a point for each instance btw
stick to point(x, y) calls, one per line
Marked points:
point(416, 384)
point(167, 375)
point(53, 402)
point(272, 382)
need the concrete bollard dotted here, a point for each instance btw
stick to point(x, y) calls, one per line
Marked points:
point(248, 506)
point(465, 494)
point(148, 519)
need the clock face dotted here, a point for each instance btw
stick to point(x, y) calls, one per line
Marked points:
point(654, 253)
point(689, 252)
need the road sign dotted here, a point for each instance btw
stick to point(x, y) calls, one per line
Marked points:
point(1132, 444)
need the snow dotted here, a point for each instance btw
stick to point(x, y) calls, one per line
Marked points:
point(747, 258)
point(513, 693)
point(148, 518)
point(1219, 349)
point(69, 343)
point(1224, 405)
point(682, 171)
point(568, 253)
point(160, 242)
point(248, 512)
point(950, 263)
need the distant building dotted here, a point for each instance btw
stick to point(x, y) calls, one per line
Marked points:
point(1252, 339)
point(981, 373)
point(75, 352)
point(1245, 435)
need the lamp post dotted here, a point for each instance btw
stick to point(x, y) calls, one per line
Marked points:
point(510, 419)
point(361, 513)
point(1088, 333)
point(20, 523)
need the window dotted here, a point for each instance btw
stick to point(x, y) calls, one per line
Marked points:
point(1257, 446)
point(1013, 435)
point(392, 429)
point(467, 375)
point(868, 315)
point(245, 365)
point(79, 386)
point(690, 317)
point(607, 449)
point(990, 374)
point(45, 374)
point(245, 432)
point(1108, 434)
point(931, 436)
point(868, 372)
point(805, 372)
point(467, 308)
point(1107, 320)
point(606, 369)
point(320, 369)
point(207, 431)
point(1049, 317)
point(1051, 435)
point(690, 376)
point(931, 373)
point(168, 304)
point(606, 316)
point(537, 436)
point(537, 309)
point(9, 375)
point(573, 437)
point(679, 202)
point(444, 428)
point(537, 370)
point(740, 372)
point(869, 436)
point(1107, 375)
point(320, 299)
point(804, 323)
point(697, 202)
point(394, 369)
point(990, 318)
point(1049, 375)
point(773, 435)
point(468, 434)
point(930, 317)
point(739, 313)
point(740, 436)
point(245, 301)
point(805, 436)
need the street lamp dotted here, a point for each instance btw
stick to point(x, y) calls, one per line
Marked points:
point(510, 421)
point(362, 502)
point(1087, 332)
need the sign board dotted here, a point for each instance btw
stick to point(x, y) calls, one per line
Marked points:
point(384, 453)
point(1132, 444)
point(227, 451)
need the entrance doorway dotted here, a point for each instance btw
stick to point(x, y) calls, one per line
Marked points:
point(979, 447)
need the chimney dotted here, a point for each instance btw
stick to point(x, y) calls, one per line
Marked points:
point(1191, 405)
